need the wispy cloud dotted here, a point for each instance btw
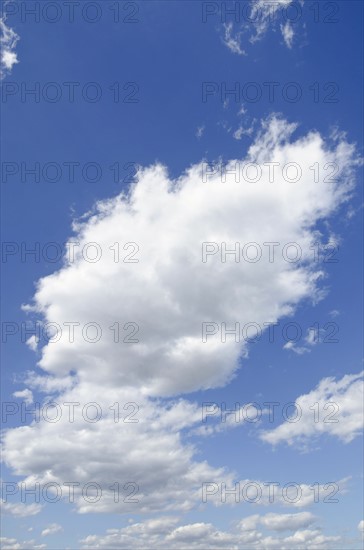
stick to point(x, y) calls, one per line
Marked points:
point(338, 412)
point(51, 529)
point(288, 34)
point(8, 41)
point(232, 40)
point(262, 16)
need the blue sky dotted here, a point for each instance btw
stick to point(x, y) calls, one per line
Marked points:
point(163, 61)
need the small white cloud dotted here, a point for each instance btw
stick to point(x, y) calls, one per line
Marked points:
point(311, 339)
point(288, 34)
point(279, 522)
point(52, 529)
point(26, 395)
point(361, 525)
point(238, 134)
point(20, 509)
point(232, 41)
point(8, 41)
point(9, 59)
point(333, 407)
point(334, 313)
point(312, 336)
point(241, 131)
point(32, 342)
point(199, 132)
point(300, 350)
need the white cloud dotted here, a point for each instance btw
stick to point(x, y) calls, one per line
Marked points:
point(8, 41)
point(20, 509)
point(361, 525)
point(312, 336)
point(279, 522)
point(13, 544)
point(164, 534)
point(288, 34)
point(231, 40)
point(169, 293)
point(334, 313)
point(52, 529)
point(241, 131)
point(263, 15)
point(48, 384)
point(32, 342)
point(200, 130)
point(300, 350)
point(26, 395)
point(311, 339)
point(9, 544)
point(170, 221)
point(342, 419)
point(170, 479)
point(246, 414)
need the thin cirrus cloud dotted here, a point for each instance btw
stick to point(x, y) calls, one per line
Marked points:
point(168, 294)
point(232, 40)
point(287, 33)
point(259, 18)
